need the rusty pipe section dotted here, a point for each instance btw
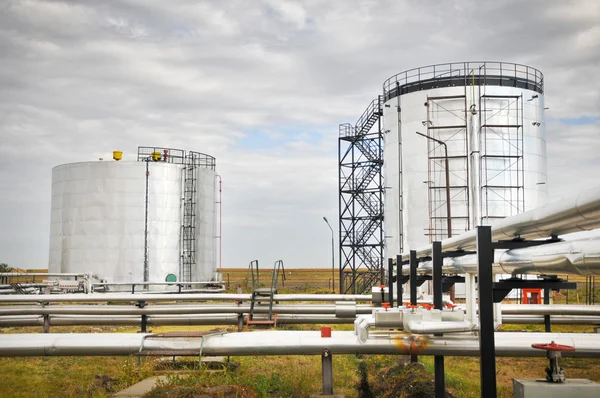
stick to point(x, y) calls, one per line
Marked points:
point(578, 213)
point(289, 343)
point(124, 297)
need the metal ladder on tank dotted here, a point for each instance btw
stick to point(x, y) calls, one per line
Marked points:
point(269, 293)
point(188, 233)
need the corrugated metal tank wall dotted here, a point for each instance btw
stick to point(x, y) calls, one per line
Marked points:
point(488, 155)
point(98, 217)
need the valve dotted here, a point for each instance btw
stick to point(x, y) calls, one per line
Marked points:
point(450, 305)
point(382, 287)
point(426, 306)
point(385, 305)
point(554, 372)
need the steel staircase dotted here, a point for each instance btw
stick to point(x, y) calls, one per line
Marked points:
point(268, 293)
point(361, 199)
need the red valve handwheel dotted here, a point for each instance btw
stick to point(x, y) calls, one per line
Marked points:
point(553, 347)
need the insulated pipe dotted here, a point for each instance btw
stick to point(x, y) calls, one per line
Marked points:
point(120, 297)
point(314, 309)
point(555, 320)
point(232, 319)
point(217, 319)
point(289, 343)
point(551, 309)
point(579, 257)
point(578, 213)
point(420, 327)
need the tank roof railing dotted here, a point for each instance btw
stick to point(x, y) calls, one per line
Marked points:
point(493, 73)
point(177, 156)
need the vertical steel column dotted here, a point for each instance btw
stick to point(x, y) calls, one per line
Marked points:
point(547, 317)
point(46, 323)
point(399, 279)
point(327, 372)
point(485, 278)
point(437, 260)
point(391, 282)
point(413, 276)
point(413, 286)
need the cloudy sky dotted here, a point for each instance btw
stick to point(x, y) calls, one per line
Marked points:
point(262, 86)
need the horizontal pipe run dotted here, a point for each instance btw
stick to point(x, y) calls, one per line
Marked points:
point(305, 309)
point(290, 343)
point(123, 297)
point(554, 320)
point(232, 319)
point(52, 274)
point(161, 320)
point(551, 309)
point(578, 257)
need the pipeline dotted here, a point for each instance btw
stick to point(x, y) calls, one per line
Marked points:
point(232, 319)
point(127, 297)
point(289, 343)
point(579, 257)
point(313, 309)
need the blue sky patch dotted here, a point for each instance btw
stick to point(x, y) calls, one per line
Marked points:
point(580, 121)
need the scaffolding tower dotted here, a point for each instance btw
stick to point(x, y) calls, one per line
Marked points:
point(447, 122)
point(361, 190)
point(501, 166)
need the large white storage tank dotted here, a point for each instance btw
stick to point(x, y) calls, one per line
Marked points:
point(491, 117)
point(136, 221)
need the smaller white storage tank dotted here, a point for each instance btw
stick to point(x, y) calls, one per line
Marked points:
point(136, 221)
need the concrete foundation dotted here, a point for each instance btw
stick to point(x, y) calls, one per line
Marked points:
point(540, 388)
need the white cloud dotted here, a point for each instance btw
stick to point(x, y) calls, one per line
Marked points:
point(83, 78)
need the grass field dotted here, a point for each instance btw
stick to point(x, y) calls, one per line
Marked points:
point(285, 376)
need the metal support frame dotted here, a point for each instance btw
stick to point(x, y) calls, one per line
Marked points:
point(144, 320)
point(485, 279)
point(503, 287)
point(547, 325)
point(413, 263)
point(46, 323)
point(399, 279)
point(327, 372)
point(438, 262)
point(391, 283)
point(361, 191)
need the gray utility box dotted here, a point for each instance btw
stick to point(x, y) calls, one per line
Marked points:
point(540, 388)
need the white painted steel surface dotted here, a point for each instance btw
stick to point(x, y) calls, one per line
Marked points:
point(291, 343)
point(232, 319)
point(406, 194)
point(578, 257)
point(98, 214)
point(114, 297)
